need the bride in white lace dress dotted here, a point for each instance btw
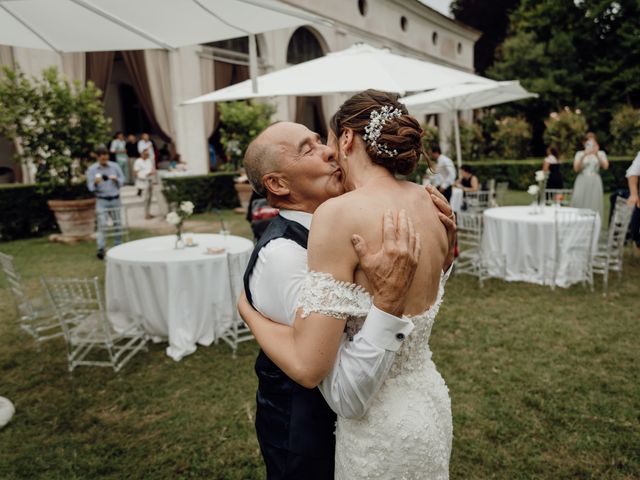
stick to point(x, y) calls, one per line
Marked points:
point(406, 432)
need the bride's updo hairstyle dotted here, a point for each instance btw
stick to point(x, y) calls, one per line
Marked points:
point(393, 137)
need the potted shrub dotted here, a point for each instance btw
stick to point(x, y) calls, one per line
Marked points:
point(241, 123)
point(56, 125)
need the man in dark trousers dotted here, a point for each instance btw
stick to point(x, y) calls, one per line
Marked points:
point(295, 425)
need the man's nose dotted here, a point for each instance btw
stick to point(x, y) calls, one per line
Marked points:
point(329, 154)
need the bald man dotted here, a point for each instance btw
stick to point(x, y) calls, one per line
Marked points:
point(296, 172)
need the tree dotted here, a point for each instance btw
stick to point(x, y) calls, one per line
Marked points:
point(581, 54)
point(492, 19)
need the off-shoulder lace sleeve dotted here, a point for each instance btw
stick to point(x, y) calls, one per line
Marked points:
point(321, 293)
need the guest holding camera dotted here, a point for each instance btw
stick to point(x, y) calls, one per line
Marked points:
point(104, 179)
point(587, 189)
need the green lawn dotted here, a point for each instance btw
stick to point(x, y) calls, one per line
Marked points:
point(544, 384)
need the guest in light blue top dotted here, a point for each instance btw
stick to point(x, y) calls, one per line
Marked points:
point(104, 178)
point(118, 148)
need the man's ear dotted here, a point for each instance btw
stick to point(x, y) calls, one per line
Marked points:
point(276, 184)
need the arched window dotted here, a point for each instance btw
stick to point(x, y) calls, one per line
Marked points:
point(304, 46)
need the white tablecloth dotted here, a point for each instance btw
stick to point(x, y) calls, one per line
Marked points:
point(527, 241)
point(183, 295)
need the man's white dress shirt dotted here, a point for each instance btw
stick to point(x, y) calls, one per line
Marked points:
point(634, 168)
point(445, 172)
point(361, 364)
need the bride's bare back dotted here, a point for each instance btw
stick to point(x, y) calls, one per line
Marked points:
point(361, 211)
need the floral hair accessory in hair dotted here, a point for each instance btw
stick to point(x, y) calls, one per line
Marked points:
point(377, 119)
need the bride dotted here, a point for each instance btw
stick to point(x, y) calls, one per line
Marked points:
point(406, 432)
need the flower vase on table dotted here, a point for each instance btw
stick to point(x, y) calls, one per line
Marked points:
point(537, 191)
point(177, 218)
point(179, 245)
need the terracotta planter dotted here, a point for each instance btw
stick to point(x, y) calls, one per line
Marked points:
point(76, 219)
point(244, 191)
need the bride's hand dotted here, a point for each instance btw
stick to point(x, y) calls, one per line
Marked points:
point(448, 219)
point(245, 309)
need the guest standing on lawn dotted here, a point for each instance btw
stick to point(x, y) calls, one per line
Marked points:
point(633, 179)
point(104, 179)
point(118, 148)
point(145, 170)
point(551, 164)
point(587, 189)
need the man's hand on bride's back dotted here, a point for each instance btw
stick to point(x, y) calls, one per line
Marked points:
point(391, 269)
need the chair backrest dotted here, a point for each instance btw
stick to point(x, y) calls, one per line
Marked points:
point(112, 221)
point(76, 299)
point(560, 196)
point(618, 228)
point(237, 263)
point(501, 191)
point(469, 229)
point(20, 298)
point(574, 232)
point(477, 201)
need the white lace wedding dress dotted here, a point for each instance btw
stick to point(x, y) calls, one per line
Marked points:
point(407, 431)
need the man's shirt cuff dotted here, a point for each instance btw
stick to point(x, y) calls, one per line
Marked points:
point(384, 330)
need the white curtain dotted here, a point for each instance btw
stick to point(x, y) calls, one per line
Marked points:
point(157, 62)
point(6, 56)
point(32, 61)
point(74, 66)
point(208, 85)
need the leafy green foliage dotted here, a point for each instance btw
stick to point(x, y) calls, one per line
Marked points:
point(431, 135)
point(56, 123)
point(215, 190)
point(625, 128)
point(512, 137)
point(519, 173)
point(241, 123)
point(24, 212)
point(492, 19)
point(471, 141)
point(580, 53)
point(565, 131)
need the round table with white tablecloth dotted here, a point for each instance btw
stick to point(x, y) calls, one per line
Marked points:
point(527, 241)
point(182, 295)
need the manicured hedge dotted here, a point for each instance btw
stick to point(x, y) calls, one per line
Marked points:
point(24, 212)
point(214, 190)
point(520, 173)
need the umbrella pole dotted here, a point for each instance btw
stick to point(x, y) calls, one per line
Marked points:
point(253, 62)
point(456, 128)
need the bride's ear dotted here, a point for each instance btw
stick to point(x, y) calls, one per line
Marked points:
point(346, 140)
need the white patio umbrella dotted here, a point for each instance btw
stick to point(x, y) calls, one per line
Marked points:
point(454, 98)
point(352, 70)
point(101, 25)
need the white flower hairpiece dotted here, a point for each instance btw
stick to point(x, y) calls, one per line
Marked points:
point(377, 119)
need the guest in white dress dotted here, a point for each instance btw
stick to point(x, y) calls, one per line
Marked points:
point(587, 189)
point(145, 170)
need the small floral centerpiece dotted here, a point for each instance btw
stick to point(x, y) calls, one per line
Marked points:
point(537, 191)
point(177, 218)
